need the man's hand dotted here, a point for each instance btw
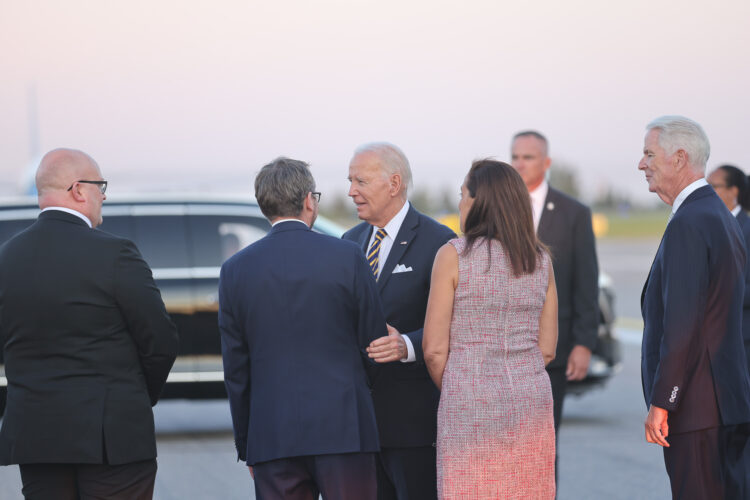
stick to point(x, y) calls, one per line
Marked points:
point(252, 474)
point(389, 348)
point(578, 363)
point(657, 428)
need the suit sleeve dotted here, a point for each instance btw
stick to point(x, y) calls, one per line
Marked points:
point(236, 358)
point(685, 281)
point(585, 319)
point(140, 302)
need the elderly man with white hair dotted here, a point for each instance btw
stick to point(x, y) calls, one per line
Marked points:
point(400, 245)
point(693, 365)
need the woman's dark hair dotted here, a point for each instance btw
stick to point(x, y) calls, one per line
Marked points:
point(734, 177)
point(502, 211)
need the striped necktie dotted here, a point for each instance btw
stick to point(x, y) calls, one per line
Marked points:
point(374, 252)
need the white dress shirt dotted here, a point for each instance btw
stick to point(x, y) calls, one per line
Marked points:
point(72, 212)
point(538, 196)
point(287, 220)
point(736, 210)
point(392, 228)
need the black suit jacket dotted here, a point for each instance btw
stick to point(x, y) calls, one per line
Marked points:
point(565, 227)
point(296, 311)
point(692, 357)
point(405, 398)
point(744, 221)
point(87, 342)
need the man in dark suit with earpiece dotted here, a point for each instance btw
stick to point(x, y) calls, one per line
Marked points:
point(564, 225)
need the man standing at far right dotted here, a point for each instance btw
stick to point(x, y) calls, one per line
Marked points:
point(693, 364)
point(564, 225)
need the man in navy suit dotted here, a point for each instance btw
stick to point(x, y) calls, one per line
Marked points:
point(297, 310)
point(400, 244)
point(693, 366)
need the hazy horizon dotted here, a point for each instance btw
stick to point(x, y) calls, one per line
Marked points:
point(188, 95)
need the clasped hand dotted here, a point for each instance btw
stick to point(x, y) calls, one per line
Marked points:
point(389, 348)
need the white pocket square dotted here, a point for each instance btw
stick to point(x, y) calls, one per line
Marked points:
point(402, 269)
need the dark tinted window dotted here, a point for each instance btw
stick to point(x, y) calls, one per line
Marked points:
point(120, 225)
point(162, 239)
point(10, 228)
point(215, 238)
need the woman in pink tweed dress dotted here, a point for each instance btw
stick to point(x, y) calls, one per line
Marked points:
point(490, 329)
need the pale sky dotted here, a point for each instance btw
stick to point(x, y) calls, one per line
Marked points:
point(200, 94)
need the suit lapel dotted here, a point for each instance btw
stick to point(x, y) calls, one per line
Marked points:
point(742, 219)
point(651, 269)
point(400, 243)
point(698, 193)
point(364, 238)
point(546, 220)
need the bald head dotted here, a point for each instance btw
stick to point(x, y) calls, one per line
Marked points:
point(61, 169)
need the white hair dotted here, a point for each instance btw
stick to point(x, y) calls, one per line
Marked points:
point(678, 132)
point(392, 159)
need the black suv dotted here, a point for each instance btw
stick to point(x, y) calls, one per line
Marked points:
point(184, 239)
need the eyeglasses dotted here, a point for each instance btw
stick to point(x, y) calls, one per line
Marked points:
point(102, 185)
point(316, 195)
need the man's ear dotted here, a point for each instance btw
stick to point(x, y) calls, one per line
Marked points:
point(77, 194)
point(309, 204)
point(680, 158)
point(395, 184)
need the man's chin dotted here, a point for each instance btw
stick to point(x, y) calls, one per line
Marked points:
point(362, 213)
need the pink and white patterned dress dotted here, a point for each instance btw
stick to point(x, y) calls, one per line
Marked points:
point(496, 436)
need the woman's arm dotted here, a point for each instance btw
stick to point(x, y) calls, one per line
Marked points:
point(548, 321)
point(437, 323)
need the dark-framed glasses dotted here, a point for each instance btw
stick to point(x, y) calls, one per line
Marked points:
point(316, 195)
point(102, 185)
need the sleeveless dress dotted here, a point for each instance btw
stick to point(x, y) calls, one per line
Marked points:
point(496, 436)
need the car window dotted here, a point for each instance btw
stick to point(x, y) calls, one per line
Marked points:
point(120, 225)
point(10, 228)
point(162, 239)
point(215, 238)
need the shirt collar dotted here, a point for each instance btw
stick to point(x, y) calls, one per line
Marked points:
point(736, 210)
point(72, 212)
point(394, 225)
point(687, 192)
point(288, 220)
point(539, 194)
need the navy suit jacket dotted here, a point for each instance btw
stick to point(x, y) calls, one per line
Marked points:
point(744, 221)
point(565, 227)
point(296, 311)
point(405, 398)
point(692, 361)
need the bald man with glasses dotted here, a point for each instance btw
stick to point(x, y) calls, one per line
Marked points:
point(87, 345)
